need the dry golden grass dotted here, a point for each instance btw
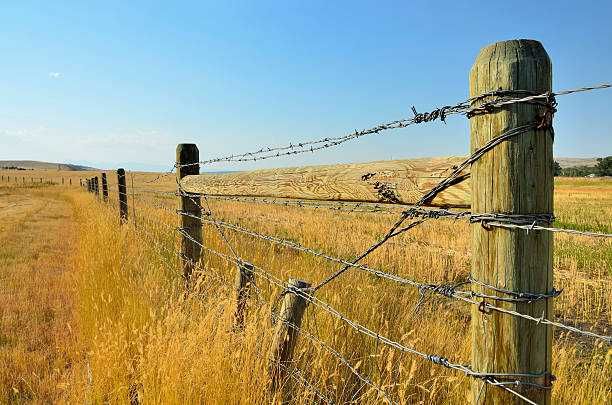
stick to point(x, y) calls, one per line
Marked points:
point(137, 334)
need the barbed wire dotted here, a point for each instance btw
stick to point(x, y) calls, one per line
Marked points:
point(344, 206)
point(445, 290)
point(504, 98)
point(489, 378)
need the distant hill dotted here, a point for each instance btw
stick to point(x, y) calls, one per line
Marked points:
point(36, 165)
point(575, 162)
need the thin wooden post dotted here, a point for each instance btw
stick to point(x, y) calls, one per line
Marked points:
point(104, 187)
point(245, 278)
point(189, 209)
point(70, 181)
point(515, 178)
point(88, 185)
point(96, 188)
point(286, 333)
point(123, 201)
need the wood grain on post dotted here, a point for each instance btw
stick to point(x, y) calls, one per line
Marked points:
point(393, 181)
point(123, 198)
point(189, 209)
point(245, 278)
point(514, 178)
point(285, 336)
point(104, 187)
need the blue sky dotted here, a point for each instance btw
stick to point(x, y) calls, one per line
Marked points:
point(120, 83)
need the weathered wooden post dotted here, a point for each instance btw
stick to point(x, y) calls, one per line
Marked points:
point(286, 333)
point(96, 187)
point(122, 191)
point(245, 278)
point(104, 188)
point(88, 185)
point(515, 178)
point(70, 181)
point(190, 211)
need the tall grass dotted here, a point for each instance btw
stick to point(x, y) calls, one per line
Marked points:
point(143, 336)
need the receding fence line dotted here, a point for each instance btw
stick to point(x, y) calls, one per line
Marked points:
point(510, 99)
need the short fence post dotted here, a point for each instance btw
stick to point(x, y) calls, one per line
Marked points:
point(286, 333)
point(189, 209)
point(70, 181)
point(104, 187)
point(95, 187)
point(88, 185)
point(123, 201)
point(515, 178)
point(245, 278)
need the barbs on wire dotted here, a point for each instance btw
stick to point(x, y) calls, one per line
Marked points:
point(445, 290)
point(469, 108)
point(489, 378)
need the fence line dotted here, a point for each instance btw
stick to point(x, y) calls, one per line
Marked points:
point(480, 105)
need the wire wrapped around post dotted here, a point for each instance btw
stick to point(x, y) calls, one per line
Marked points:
point(516, 179)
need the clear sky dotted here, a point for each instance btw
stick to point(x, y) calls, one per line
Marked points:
point(120, 83)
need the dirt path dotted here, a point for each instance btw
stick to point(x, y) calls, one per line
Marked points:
point(36, 239)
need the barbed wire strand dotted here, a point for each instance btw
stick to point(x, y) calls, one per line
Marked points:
point(445, 290)
point(463, 108)
point(489, 378)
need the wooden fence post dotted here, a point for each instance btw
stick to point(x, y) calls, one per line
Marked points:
point(123, 200)
point(88, 185)
point(104, 188)
point(285, 336)
point(189, 209)
point(245, 278)
point(96, 188)
point(515, 178)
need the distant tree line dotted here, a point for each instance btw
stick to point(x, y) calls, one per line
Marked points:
point(602, 168)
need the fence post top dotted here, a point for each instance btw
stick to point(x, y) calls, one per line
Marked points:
point(186, 148)
point(512, 49)
point(121, 172)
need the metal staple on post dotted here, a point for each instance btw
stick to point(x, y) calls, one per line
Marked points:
point(122, 191)
point(285, 337)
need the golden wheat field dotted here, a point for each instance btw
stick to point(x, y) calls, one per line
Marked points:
point(95, 312)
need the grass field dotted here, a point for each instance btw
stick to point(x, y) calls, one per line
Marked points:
point(95, 312)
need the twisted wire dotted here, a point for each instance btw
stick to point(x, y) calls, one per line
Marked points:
point(505, 98)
